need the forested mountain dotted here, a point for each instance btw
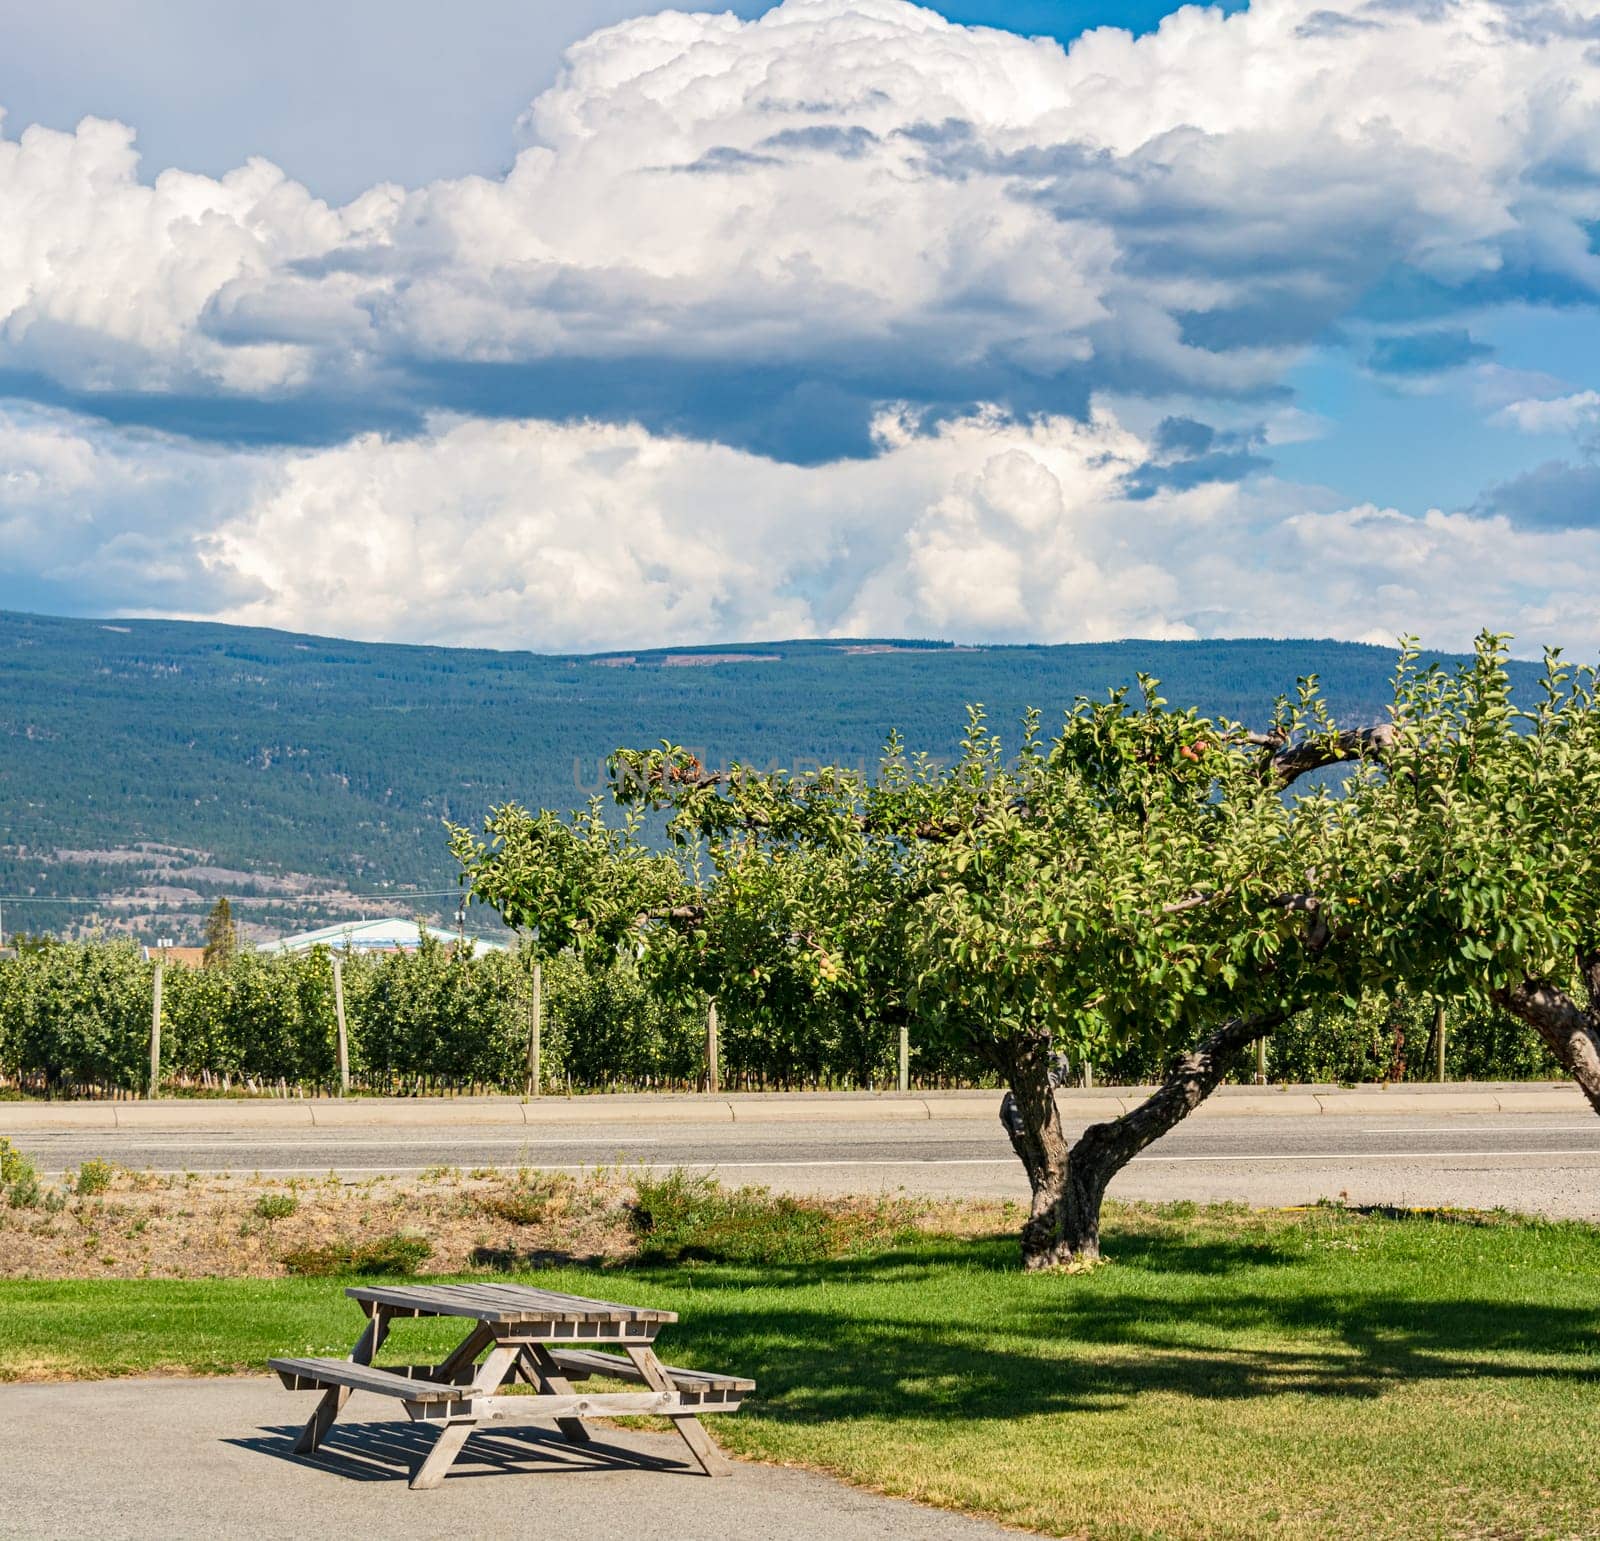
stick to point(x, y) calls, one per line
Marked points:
point(170, 760)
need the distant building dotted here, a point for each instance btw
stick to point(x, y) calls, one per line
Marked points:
point(391, 933)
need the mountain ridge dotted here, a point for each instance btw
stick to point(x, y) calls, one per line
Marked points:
point(152, 764)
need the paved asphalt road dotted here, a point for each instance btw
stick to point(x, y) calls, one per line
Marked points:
point(162, 1458)
point(1547, 1163)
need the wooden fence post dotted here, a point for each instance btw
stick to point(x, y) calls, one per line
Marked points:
point(904, 1078)
point(535, 1022)
point(1088, 1076)
point(713, 1079)
point(155, 1034)
point(338, 1011)
point(1261, 1060)
point(1438, 1035)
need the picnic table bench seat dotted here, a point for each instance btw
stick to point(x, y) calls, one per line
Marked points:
point(411, 1383)
point(422, 1383)
point(539, 1336)
point(580, 1365)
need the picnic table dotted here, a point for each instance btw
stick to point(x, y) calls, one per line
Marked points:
point(546, 1339)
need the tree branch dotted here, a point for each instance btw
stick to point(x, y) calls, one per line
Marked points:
point(1109, 1147)
point(1286, 763)
point(687, 913)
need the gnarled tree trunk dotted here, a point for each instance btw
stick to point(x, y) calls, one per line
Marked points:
point(1069, 1184)
point(1570, 1032)
point(1031, 1119)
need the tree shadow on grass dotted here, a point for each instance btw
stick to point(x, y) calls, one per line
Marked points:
point(1159, 1323)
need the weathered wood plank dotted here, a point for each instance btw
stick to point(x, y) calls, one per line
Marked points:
point(506, 1302)
point(433, 1372)
point(327, 1410)
point(307, 1374)
point(461, 1357)
point(551, 1381)
point(692, 1432)
point(579, 1362)
point(568, 1407)
point(438, 1460)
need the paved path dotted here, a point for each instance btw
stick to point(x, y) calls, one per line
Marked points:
point(1542, 1162)
point(213, 1458)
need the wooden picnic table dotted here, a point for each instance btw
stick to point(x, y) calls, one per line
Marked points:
point(545, 1339)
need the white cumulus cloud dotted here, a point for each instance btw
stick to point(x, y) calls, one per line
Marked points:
point(595, 536)
point(1556, 414)
point(863, 188)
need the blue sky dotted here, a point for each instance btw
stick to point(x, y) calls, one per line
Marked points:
point(839, 315)
point(345, 93)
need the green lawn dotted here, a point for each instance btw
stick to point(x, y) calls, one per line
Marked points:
point(1230, 1374)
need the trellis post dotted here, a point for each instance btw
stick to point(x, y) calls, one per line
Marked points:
point(155, 1033)
point(338, 1012)
point(535, 1024)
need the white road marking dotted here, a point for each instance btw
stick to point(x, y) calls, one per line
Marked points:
point(464, 1141)
point(244, 1141)
point(1590, 1128)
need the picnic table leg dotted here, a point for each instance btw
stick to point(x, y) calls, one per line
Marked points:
point(463, 1353)
point(333, 1399)
point(690, 1429)
point(550, 1379)
point(454, 1435)
point(445, 1449)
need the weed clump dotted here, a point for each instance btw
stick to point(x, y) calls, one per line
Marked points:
point(687, 1216)
point(93, 1177)
point(276, 1206)
point(534, 1198)
point(397, 1256)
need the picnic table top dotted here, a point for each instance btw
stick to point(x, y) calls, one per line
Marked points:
point(501, 1303)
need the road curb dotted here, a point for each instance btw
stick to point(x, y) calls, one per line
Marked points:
point(1077, 1107)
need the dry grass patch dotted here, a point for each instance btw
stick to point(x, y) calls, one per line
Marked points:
point(125, 1224)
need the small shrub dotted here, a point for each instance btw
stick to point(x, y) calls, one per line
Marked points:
point(19, 1178)
point(398, 1255)
point(13, 1164)
point(276, 1206)
point(93, 1177)
point(687, 1216)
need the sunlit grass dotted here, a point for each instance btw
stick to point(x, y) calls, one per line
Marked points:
point(1228, 1374)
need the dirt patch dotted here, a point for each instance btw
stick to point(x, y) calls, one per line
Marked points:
point(148, 1226)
